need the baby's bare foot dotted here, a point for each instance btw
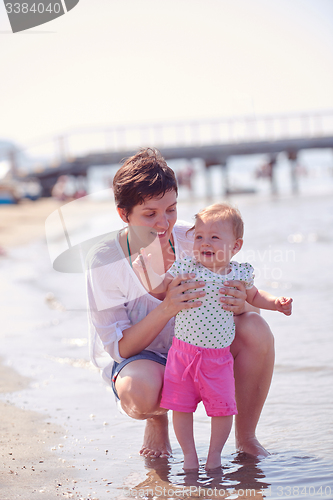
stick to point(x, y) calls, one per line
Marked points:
point(213, 461)
point(191, 462)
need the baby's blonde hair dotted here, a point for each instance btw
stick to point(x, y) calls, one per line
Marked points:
point(224, 212)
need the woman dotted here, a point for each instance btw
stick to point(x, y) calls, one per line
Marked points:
point(135, 328)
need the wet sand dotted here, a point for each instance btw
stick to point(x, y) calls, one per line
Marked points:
point(27, 464)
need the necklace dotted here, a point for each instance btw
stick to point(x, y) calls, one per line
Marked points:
point(129, 250)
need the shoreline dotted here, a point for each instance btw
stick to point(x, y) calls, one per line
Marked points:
point(23, 223)
point(29, 467)
point(33, 462)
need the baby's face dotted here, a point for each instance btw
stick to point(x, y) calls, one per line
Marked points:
point(215, 244)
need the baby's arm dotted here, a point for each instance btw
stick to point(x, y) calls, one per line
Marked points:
point(151, 280)
point(264, 300)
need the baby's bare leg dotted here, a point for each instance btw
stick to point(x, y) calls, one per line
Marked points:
point(220, 430)
point(183, 426)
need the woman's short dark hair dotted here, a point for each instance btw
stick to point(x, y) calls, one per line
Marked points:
point(143, 176)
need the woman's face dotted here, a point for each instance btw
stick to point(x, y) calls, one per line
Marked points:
point(159, 214)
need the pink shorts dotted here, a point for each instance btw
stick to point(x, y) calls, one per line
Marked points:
point(194, 374)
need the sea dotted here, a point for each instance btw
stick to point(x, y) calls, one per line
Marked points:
point(289, 240)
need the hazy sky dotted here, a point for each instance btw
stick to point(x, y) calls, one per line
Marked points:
point(132, 61)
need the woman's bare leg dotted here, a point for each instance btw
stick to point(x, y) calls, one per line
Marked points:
point(253, 351)
point(220, 430)
point(139, 386)
point(183, 426)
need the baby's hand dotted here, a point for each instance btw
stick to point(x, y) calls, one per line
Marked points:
point(283, 304)
point(142, 263)
point(150, 279)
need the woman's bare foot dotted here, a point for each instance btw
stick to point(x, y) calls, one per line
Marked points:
point(251, 446)
point(156, 438)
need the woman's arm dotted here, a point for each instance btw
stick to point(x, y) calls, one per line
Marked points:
point(139, 336)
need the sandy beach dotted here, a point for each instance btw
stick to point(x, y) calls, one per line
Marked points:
point(22, 223)
point(28, 467)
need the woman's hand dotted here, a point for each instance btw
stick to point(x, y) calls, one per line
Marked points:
point(236, 296)
point(180, 294)
point(140, 335)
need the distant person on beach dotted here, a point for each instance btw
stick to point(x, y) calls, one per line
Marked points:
point(132, 330)
point(184, 176)
point(60, 189)
point(199, 365)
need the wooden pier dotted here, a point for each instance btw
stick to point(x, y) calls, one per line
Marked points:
point(213, 141)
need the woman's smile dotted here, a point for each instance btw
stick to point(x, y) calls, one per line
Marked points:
point(161, 234)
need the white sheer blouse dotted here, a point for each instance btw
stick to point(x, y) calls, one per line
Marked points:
point(117, 299)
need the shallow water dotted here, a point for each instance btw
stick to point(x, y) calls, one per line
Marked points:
point(279, 475)
point(289, 242)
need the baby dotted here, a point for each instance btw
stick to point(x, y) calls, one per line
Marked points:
point(199, 365)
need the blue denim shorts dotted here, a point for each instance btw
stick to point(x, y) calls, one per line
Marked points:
point(117, 367)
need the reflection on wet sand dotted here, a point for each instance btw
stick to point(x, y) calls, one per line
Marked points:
point(242, 477)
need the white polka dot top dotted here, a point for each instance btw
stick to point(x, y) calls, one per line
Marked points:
point(209, 325)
